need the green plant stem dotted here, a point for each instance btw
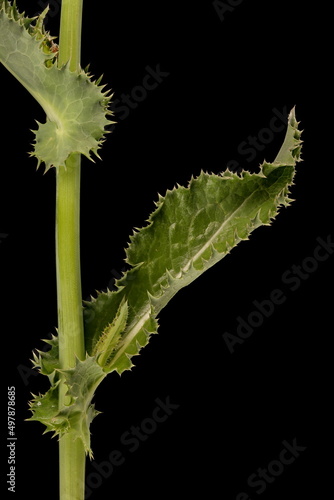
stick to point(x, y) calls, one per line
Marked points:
point(70, 320)
point(70, 33)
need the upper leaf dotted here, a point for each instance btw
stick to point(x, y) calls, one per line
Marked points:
point(76, 107)
point(191, 229)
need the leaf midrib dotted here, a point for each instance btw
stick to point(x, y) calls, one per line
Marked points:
point(216, 234)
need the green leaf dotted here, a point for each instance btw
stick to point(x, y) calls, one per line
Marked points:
point(191, 229)
point(106, 345)
point(47, 362)
point(76, 107)
point(77, 416)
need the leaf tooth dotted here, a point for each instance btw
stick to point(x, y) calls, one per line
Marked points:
point(138, 347)
point(102, 87)
point(47, 168)
point(170, 277)
point(148, 334)
point(236, 237)
point(215, 252)
point(200, 262)
point(90, 301)
point(129, 358)
point(281, 197)
point(153, 299)
point(228, 174)
point(95, 152)
point(53, 341)
point(36, 359)
point(256, 221)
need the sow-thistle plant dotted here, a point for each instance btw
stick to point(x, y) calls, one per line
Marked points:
point(190, 230)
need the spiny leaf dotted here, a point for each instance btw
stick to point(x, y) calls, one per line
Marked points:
point(48, 362)
point(76, 107)
point(191, 229)
point(77, 416)
point(45, 410)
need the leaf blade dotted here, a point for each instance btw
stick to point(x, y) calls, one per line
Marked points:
point(191, 229)
point(76, 107)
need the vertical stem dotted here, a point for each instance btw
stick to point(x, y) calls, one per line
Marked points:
point(70, 33)
point(70, 319)
point(70, 322)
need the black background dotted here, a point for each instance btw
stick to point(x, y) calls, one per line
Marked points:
point(224, 80)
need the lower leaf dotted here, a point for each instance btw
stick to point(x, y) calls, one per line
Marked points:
point(77, 416)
